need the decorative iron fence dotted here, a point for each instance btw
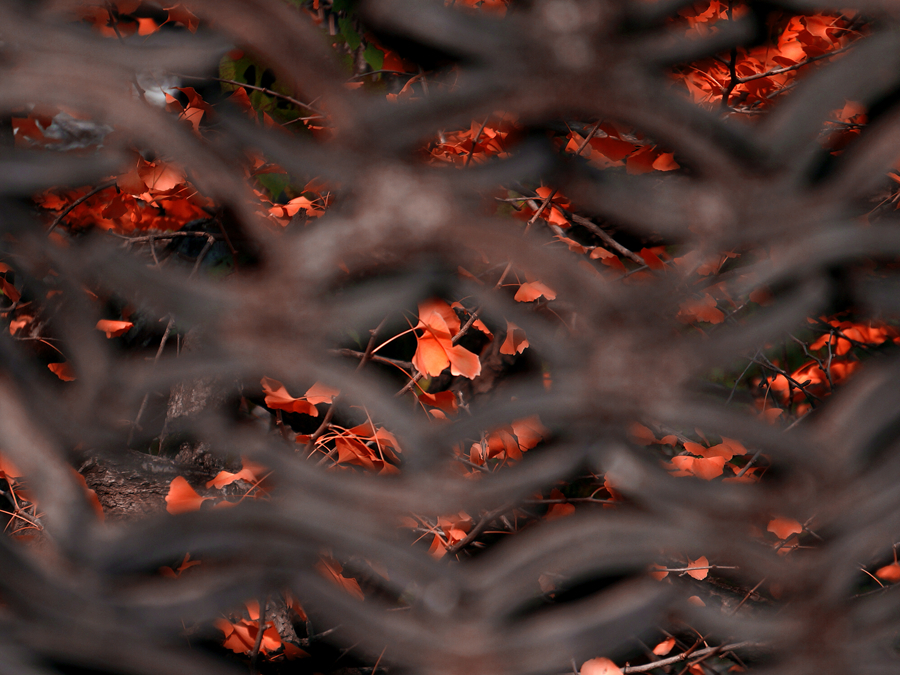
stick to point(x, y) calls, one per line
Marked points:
point(357, 493)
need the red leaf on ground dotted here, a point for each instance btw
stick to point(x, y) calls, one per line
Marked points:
point(515, 341)
point(62, 370)
point(601, 666)
point(114, 328)
point(278, 398)
point(182, 497)
point(532, 290)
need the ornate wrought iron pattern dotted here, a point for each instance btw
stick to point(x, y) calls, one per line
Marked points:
point(89, 597)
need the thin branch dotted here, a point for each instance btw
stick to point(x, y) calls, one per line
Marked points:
point(682, 657)
point(260, 629)
point(552, 194)
point(264, 90)
point(475, 141)
point(479, 528)
point(66, 211)
point(383, 71)
point(352, 353)
point(162, 343)
point(612, 243)
point(796, 66)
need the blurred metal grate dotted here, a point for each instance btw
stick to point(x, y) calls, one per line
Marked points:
point(89, 596)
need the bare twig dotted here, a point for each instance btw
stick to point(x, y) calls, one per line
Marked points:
point(66, 211)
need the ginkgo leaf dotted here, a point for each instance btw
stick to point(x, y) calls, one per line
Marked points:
point(763, 296)
point(431, 358)
point(187, 563)
point(658, 572)
point(438, 548)
point(601, 666)
point(573, 245)
point(62, 370)
point(147, 26)
point(664, 647)
point(558, 510)
point(652, 260)
point(224, 478)
point(614, 148)
point(529, 431)
point(180, 14)
point(351, 451)
point(446, 312)
point(319, 393)
point(332, 571)
point(114, 328)
point(723, 450)
point(455, 526)
point(240, 637)
point(8, 469)
point(700, 573)
point(257, 470)
point(701, 310)
point(182, 497)
point(707, 469)
point(694, 448)
point(532, 290)
point(445, 400)
point(641, 435)
point(240, 98)
point(294, 605)
point(161, 177)
point(478, 323)
point(641, 161)
point(889, 573)
point(515, 341)
point(736, 447)
point(435, 350)
point(9, 290)
point(237, 641)
point(193, 115)
point(252, 609)
point(665, 162)
point(784, 527)
point(278, 398)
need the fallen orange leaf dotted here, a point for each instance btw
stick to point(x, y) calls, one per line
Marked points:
point(62, 370)
point(699, 562)
point(114, 328)
point(889, 573)
point(601, 666)
point(664, 647)
point(278, 398)
point(182, 497)
point(435, 350)
point(784, 527)
point(532, 290)
point(515, 342)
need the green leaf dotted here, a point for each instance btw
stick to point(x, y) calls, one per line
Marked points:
point(374, 57)
point(230, 69)
point(275, 183)
point(349, 32)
